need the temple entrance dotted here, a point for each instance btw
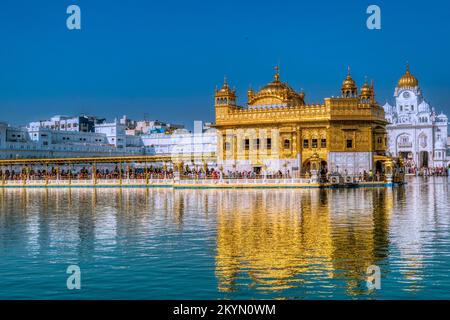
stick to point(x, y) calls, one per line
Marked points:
point(319, 166)
point(257, 170)
point(408, 161)
point(407, 155)
point(306, 167)
point(378, 167)
point(323, 167)
point(423, 159)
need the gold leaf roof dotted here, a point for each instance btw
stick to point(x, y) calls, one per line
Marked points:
point(276, 92)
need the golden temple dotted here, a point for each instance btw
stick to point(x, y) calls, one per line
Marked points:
point(279, 131)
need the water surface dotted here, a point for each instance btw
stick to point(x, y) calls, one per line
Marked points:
point(227, 244)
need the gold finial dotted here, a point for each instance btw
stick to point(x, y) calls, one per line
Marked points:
point(224, 80)
point(277, 73)
point(348, 71)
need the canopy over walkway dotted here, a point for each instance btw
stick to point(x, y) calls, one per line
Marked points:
point(120, 159)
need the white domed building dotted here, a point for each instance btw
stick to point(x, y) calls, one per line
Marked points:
point(415, 132)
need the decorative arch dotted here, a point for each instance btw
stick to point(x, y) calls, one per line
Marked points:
point(404, 140)
point(423, 140)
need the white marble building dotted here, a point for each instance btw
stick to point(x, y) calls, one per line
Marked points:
point(416, 132)
point(40, 140)
point(182, 142)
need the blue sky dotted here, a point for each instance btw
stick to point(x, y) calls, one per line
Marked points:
point(163, 59)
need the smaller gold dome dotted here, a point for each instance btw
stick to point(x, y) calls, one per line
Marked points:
point(225, 87)
point(365, 90)
point(349, 87)
point(408, 80)
point(348, 83)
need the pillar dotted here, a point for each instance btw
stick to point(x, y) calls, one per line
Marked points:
point(389, 168)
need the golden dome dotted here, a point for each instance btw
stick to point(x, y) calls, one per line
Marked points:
point(408, 80)
point(276, 92)
point(349, 88)
point(365, 90)
point(348, 83)
point(276, 86)
point(225, 87)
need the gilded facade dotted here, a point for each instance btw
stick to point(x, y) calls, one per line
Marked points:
point(279, 131)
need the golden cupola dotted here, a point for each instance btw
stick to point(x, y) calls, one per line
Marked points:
point(349, 88)
point(225, 96)
point(408, 80)
point(276, 93)
point(366, 91)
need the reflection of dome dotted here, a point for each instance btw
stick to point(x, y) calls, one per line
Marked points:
point(408, 80)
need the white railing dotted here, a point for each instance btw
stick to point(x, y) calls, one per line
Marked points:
point(85, 182)
point(244, 181)
point(348, 179)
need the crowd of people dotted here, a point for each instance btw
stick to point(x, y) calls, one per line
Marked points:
point(438, 171)
point(187, 173)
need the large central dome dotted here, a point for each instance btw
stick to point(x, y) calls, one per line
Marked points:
point(276, 93)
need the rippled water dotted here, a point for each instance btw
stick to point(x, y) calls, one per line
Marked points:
point(232, 244)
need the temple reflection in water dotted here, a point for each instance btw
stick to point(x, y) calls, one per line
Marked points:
point(264, 243)
point(284, 239)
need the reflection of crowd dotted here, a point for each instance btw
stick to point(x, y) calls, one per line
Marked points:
point(365, 176)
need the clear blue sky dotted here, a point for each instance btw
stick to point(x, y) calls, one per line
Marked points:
point(164, 58)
